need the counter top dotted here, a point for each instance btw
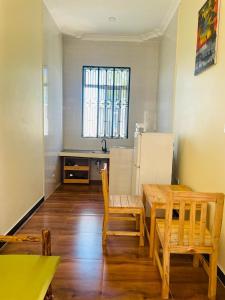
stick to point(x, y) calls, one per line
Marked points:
point(85, 153)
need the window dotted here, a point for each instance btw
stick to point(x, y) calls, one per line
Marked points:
point(105, 102)
point(45, 98)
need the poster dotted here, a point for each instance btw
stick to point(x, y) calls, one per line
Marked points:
point(207, 36)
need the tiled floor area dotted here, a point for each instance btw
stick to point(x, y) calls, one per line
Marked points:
point(124, 271)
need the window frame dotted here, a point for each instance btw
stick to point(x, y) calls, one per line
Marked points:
point(45, 96)
point(128, 99)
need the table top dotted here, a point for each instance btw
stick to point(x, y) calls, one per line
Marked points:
point(85, 153)
point(26, 277)
point(156, 194)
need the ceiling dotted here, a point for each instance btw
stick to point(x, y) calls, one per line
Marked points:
point(134, 20)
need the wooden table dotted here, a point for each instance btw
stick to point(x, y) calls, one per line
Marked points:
point(26, 277)
point(156, 196)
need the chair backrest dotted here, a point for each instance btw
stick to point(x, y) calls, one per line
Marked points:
point(192, 222)
point(105, 187)
point(44, 239)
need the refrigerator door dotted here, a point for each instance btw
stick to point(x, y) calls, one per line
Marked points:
point(120, 171)
point(136, 164)
point(137, 149)
point(156, 158)
point(135, 180)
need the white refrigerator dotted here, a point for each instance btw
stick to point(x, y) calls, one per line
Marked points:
point(153, 157)
point(120, 170)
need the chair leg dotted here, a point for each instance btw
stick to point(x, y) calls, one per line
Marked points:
point(103, 223)
point(212, 276)
point(156, 248)
point(104, 231)
point(166, 274)
point(152, 231)
point(141, 241)
point(196, 259)
point(137, 222)
point(49, 295)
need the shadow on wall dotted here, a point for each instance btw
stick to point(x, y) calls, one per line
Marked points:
point(176, 158)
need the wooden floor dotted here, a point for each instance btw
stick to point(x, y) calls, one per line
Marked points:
point(74, 216)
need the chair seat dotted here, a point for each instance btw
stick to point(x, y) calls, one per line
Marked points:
point(160, 226)
point(125, 201)
point(26, 277)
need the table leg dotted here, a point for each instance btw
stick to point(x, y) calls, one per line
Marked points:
point(144, 199)
point(145, 224)
point(152, 230)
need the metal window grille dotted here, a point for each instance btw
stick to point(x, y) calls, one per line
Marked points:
point(45, 98)
point(105, 102)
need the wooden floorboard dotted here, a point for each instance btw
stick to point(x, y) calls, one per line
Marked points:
point(123, 271)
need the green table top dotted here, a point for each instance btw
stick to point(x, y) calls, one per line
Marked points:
point(26, 277)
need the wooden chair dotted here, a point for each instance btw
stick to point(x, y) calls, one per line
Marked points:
point(28, 277)
point(121, 208)
point(189, 234)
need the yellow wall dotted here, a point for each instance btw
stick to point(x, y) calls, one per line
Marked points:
point(200, 111)
point(53, 141)
point(21, 138)
point(166, 81)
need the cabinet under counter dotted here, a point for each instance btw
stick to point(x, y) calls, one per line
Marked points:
point(76, 170)
point(76, 165)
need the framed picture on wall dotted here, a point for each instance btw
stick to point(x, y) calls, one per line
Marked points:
point(207, 36)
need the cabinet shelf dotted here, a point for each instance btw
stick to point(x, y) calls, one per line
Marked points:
point(85, 181)
point(76, 170)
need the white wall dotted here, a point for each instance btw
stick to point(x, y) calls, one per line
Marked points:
point(200, 111)
point(167, 62)
point(52, 60)
point(21, 122)
point(143, 60)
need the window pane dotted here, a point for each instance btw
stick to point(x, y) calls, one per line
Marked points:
point(45, 98)
point(124, 103)
point(117, 103)
point(102, 100)
point(90, 102)
point(105, 102)
point(109, 103)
